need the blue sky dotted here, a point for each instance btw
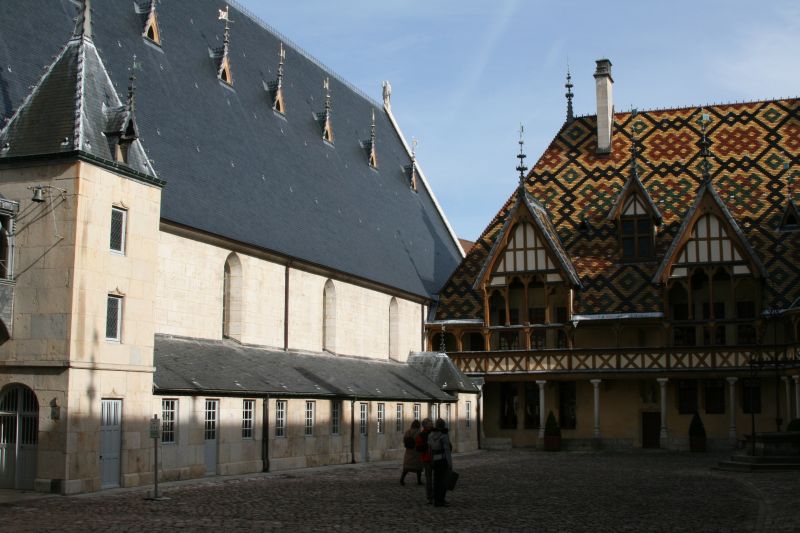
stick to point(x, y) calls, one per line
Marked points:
point(466, 73)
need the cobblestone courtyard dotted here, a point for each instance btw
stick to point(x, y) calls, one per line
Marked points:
point(517, 490)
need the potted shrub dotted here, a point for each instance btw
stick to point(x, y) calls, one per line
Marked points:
point(697, 434)
point(552, 434)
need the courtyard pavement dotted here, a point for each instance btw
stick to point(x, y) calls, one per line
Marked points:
point(517, 490)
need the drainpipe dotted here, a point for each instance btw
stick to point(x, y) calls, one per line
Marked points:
point(265, 437)
point(352, 430)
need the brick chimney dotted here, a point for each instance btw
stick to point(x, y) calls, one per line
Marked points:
point(605, 105)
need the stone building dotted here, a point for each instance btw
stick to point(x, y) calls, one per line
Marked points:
point(200, 221)
point(645, 269)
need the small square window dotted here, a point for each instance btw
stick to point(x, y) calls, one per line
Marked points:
point(114, 318)
point(118, 222)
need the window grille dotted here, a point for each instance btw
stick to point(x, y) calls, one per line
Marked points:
point(381, 418)
point(363, 425)
point(113, 318)
point(211, 420)
point(399, 418)
point(118, 223)
point(417, 411)
point(336, 415)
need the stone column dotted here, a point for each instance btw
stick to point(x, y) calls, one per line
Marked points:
point(542, 410)
point(796, 396)
point(732, 407)
point(788, 385)
point(664, 433)
point(596, 384)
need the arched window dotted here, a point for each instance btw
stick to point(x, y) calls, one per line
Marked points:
point(232, 298)
point(329, 317)
point(394, 330)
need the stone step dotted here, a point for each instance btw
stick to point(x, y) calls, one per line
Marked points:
point(496, 444)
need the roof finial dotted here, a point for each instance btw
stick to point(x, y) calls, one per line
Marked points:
point(414, 142)
point(327, 129)
point(705, 166)
point(132, 84)
point(281, 60)
point(569, 95)
point(83, 26)
point(634, 148)
point(224, 72)
point(521, 156)
point(373, 154)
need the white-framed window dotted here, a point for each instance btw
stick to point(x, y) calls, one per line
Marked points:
point(398, 426)
point(336, 416)
point(280, 418)
point(248, 417)
point(447, 411)
point(114, 318)
point(417, 411)
point(310, 408)
point(119, 221)
point(169, 420)
point(468, 414)
point(381, 418)
point(362, 430)
point(434, 412)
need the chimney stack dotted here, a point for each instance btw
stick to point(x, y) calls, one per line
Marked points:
point(605, 105)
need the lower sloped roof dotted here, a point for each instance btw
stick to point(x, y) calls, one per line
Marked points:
point(227, 367)
point(441, 370)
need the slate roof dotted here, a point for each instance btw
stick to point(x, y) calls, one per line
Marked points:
point(750, 144)
point(72, 108)
point(194, 366)
point(235, 168)
point(441, 370)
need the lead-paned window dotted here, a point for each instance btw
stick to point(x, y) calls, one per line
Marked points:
point(114, 318)
point(751, 396)
point(715, 396)
point(118, 222)
point(248, 416)
point(169, 411)
point(636, 236)
point(364, 409)
point(567, 405)
point(280, 418)
point(687, 396)
point(417, 411)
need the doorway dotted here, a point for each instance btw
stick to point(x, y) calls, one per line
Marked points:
point(19, 434)
point(110, 442)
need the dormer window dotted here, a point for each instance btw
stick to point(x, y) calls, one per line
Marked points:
point(635, 231)
point(147, 12)
point(225, 72)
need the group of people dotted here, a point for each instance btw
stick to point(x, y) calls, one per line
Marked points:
point(428, 448)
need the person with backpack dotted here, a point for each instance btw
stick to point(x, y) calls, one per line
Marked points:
point(425, 456)
point(411, 458)
point(440, 449)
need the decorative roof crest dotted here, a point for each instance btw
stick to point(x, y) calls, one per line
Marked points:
point(521, 156)
point(569, 95)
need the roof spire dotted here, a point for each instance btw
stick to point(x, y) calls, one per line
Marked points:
point(705, 166)
point(521, 156)
point(634, 148)
point(83, 26)
point(569, 95)
point(276, 88)
point(281, 60)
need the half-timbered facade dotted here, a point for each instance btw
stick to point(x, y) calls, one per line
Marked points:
point(626, 286)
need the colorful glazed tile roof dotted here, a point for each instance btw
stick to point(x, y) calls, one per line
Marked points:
point(755, 161)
